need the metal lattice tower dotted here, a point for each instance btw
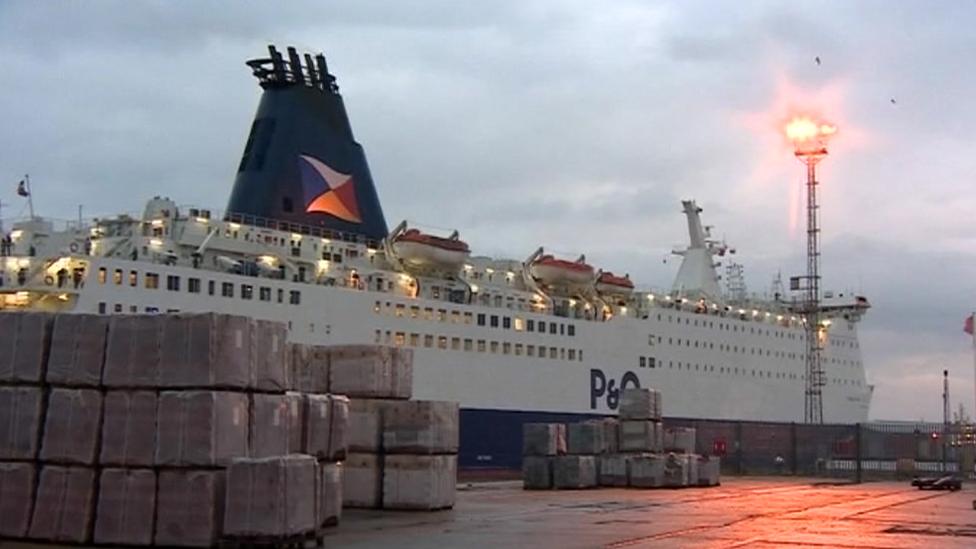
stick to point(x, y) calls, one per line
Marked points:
point(735, 282)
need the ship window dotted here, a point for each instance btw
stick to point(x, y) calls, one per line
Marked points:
point(552, 352)
point(386, 335)
point(117, 277)
point(468, 344)
point(247, 291)
point(294, 297)
point(494, 321)
point(552, 327)
point(542, 327)
point(455, 317)
point(530, 325)
point(101, 307)
point(481, 345)
point(519, 324)
point(562, 329)
point(494, 346)
point(399, 310)
point(651, 363)
point(498, 301)
point(117, 308)
point(562, 353)
point(133, 278)
point(506, 348)
point(281, 295)
point(518, 349)
point(455, 343)
point(530, 350)
point(173, 283)
point(414, 340)
point(481, 319)
point(572, 354)
point(435, 292)
point(399, 339)
point(152, 281)
point(442, 315)
point(210, 287)
point(227, 289)
point(337, 258)
point(265, 293)
point(414, 311)
point(581, 355)
point(571, 330)
point(193, 285)
point(642, 362)
point(133, 309)
point(542, 351)
point(102, 274)
point(428, 340)
point(507, 323)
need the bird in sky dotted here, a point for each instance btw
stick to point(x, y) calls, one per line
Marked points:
point(893, 102)
point(817, 59)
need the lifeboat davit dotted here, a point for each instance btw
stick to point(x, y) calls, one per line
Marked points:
point(610, 284)
point(560, 272)
point(420, 249)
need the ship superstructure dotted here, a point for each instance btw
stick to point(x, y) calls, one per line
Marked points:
point(513, 340)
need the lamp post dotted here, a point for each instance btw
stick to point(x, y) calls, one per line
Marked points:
point(809, 138)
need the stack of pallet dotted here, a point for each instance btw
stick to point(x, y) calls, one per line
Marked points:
point(633, 450)
point(140, 430)
point(402, 453)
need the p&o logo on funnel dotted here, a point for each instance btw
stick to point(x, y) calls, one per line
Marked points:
point(328, 191)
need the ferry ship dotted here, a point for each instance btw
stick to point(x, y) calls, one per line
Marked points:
point(304, 241)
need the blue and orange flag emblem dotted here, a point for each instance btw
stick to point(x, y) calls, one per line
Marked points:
point(328, 191)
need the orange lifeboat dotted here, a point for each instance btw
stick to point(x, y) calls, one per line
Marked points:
point(551, 271)
point(609, 284)
point(420, 249)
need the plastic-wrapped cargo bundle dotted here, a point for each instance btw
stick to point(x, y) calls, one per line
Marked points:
point(270, 369)
point(362, 481)
point(129, 429)
point(272, 497)
point(204, 428)
point(637, 403)
point(611, 434)
point(647, 471)
point(574, 472)
point(537, 472)
point(676, 472)
point(371, 371)
point(21, 410)
point(586, 438)
point(126, 507)
point(640, 436)
point(708, 470)
point(77, 350)
point(692, 460)
point(366, 424)
point(72, 426)
point(420, 427)
point(419, 482)
point(614, 469)
point(326, 424)
point(16, 498)
point(679, 439)
point(24, 346)
point(206, 351)
point(189, 508)
point(308, 368)
point(543, 439)
point(276, 424)
point(132, 353)
point(330, 494)
point(64, 505)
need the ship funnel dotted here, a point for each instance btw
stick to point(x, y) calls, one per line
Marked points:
point(301, 163)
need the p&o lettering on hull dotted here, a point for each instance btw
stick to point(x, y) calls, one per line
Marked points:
point(601, 388)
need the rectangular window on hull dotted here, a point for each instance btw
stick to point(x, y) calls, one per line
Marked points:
point(481, 319)
point(102, 275)
point(227, 289)
point(247, 291)
point(295, 297)
point(265, 293)
point(117, 277)
point(193, 285)
point(152, 281)
point(133, 278)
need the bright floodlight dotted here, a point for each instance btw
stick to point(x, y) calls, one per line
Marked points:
point(809, 136)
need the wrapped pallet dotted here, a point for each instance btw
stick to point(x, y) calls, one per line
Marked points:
point(276, 424)
point(330, 494)
point(132, 351)
point(692, 460)
point(64, 506)
point(421, 427)
point(643, 404)
point(21, 411)
point(16, 498)
point(206, 351)
point(676, 472)
point(326, 420)
point(77, 350)
point(126, 507)
point(366, 424)
point(271, 498)
point(362, 481)
point(647, 471)
point(611, 434)
point(308, 368)
point(543, 439)
point(537, 472)
point(679, 439)
point(203, 428)
point(586, 438)
point(24, 346)
point(640, 436)
point(371, 371)
point(270, 367)
point(708, 470)
point(129, 429)
point(419, 482)
point(613, 469)
point(574, 472)
point(189, 508)
point(72, 426)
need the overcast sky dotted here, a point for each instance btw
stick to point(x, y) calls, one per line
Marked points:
point(574, 125)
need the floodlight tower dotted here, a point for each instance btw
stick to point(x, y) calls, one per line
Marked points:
point(809, 138)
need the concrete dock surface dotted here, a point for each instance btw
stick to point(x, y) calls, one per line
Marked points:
point(742, 512)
